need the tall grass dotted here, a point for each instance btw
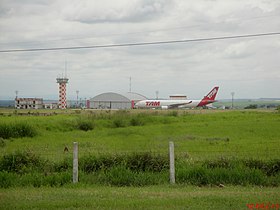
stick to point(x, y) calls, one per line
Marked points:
point(139, 162)
point(112, 152)
point(137, 169)
point(17, 130)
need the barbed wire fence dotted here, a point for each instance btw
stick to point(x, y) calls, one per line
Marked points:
point(172, 150)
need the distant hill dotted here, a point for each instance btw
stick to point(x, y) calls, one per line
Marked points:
point(242, 103)
point(7, 103)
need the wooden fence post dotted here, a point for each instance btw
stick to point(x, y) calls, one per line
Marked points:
point(75, 162)
point(172, 162)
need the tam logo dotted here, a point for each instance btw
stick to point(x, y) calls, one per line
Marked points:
point(212, 93)
point(152, 103)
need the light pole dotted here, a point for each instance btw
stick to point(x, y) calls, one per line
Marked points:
point(232, 95)
point(77, 92)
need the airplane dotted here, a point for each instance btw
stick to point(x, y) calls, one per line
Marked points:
point(183, 103)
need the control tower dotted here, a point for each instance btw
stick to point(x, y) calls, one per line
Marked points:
point(62, 81)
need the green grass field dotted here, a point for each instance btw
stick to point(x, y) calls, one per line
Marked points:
point(239, 149)
point(198, 134)
point(152, 197)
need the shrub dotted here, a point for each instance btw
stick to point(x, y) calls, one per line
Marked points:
point(139, 162)
point(147, 162)
point(85, 125)
point(5, 131)
point(2, 142)
point(23, 130)
point(93, 164)
point(173, 113)
point(34, 179)
point(220, 163)
point(64, 165)
point(119, 123)
point(21, 162)
point(122, 176)
point(200, 175)
point(7, 179)
point(270, 168)
point(17, 130)
point(136, 121)
point(192, 175)
point(251, 106)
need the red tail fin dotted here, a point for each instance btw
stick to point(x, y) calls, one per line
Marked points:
point(210, 97)
point(212, 94)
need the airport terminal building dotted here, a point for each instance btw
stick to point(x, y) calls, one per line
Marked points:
point(111, 100)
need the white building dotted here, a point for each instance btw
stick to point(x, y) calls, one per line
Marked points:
point(112, 100)
point(28, 103)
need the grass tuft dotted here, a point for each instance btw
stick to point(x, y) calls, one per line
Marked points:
point(17, 130)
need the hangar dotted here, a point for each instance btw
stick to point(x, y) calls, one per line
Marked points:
point(112, 100)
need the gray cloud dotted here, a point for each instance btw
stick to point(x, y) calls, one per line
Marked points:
point(247, 66)
point(115, 11)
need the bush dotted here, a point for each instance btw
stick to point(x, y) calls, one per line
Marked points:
point(122, 176)
point(34, 179)
point(91, 164)
point(147, 162)
point(119, 123)
point(136, 121)
point(2, 142)
point(251, 106)
point(21, 162)
point(7, 179)
point(199, 175)
point(64, 165)
point(119, 176)
point(220, 163)
point(139, 162)
point(6, 131)
point(173, 113)
point(85, 125)
point(23, 130)
point(270, 168)
point(18, 130)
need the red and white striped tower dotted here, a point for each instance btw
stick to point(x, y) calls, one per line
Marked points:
point(62, 81)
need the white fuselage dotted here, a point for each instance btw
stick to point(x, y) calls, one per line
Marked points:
point(183, 103)
point(167, 103)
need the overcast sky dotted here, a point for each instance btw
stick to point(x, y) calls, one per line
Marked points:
point(250, 67)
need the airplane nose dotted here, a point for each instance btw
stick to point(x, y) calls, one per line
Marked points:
point(137, 105)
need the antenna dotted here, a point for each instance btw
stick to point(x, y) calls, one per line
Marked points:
point(16, 93)
point(65, 68)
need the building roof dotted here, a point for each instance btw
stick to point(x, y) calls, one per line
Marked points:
point(116, 97)
point(110, 96)
point(135, 96)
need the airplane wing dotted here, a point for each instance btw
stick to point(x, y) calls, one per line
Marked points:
point(173, 106)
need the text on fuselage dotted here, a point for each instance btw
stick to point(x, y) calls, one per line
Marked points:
point(152, 103)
